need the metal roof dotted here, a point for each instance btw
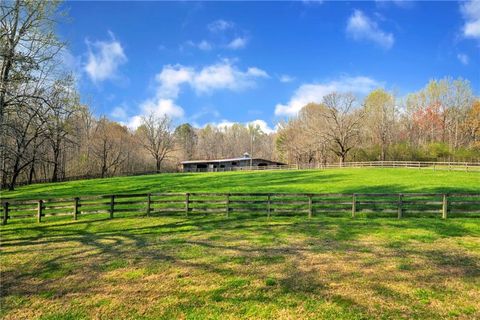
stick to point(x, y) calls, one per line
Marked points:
point(226, 160)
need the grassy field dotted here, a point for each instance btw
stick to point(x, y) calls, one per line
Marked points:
point(352, 180)
point(214, 267)
point(242, 267)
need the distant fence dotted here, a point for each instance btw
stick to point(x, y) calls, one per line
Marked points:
point(308, 204)
point(83, 177)
point(463, 166)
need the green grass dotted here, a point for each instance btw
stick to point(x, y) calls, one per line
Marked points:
point(241, 267)
point(244, 266)
point(365, 180)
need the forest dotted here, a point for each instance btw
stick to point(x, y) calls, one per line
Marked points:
point(48, 131)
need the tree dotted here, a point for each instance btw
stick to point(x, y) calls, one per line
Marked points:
point(156, 137)
point(109, 146)
point(28, 46)
point(380, 118)
point(25, 133)
point(186, 139)
point(342, 123)
point(63, 103)
point(254, 132)
point(472, 125)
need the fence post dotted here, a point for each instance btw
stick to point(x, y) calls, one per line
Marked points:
point(445, 206)
point(310, 206)
point(5, 213)
point(227, 204)
point(75, 208)
point(400, 204)
point(149, 203)
point(39, 211)
point(354, 205)
point(187, 203)
point(112, 205)
point(268, 205)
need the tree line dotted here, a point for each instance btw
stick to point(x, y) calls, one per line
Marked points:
point(47, 133)
point(440, 122)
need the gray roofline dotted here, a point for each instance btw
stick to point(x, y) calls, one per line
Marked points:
point(228, 160)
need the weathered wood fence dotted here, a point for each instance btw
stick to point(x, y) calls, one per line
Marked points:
point(450, 166)
point(308, 204)
point(434, 165)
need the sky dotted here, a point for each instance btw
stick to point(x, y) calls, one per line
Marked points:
point(223, 62)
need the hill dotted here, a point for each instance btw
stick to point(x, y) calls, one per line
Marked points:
point(351, 180)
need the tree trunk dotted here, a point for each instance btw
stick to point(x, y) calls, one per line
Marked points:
point(13, 181)
point(31, 173)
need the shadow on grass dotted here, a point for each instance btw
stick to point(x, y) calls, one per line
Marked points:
point(226, 247)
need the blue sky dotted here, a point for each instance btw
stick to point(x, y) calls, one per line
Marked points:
point(222, 62)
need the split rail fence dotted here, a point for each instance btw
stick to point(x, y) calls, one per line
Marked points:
point(450, 166)
point(269, 204)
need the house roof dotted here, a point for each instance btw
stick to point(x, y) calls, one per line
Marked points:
point(227, 160)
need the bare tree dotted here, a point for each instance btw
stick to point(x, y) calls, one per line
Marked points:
point(63, 103)
point(342, 123)
point(186, 140)
point(380, 118)
point(155, 135)
point(109, 147)
point(28, 43)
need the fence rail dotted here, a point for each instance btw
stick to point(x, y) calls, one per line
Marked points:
point(463, 166)
point(467, 166)
point(309, 204)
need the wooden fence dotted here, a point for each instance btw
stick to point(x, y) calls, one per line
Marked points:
point(308, 204)
point(459, 166)
point(437, 165)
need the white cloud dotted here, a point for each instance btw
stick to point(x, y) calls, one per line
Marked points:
point(222, 75)
point(399, 3)
point(225, 75)
point(223, 124)
point(170, 79)
point(315, 92)
point(286, 78)
point(262, 125)
point(360, 28)
point(204, 45)
point(471, 13)
point(119, 112)
point(158, 107)
point(161, 107)
point(237, 43)
point(312, 2)
point(256, 72)
point(104, 58)
point(220, 25)
point(463, 58)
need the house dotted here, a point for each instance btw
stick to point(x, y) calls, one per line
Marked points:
point(227, 164)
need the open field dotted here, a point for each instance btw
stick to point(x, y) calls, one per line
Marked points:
point(244, 266)
point(351, 180)
point(223, 268)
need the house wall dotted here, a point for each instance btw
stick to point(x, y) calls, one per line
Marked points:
point(225, 165)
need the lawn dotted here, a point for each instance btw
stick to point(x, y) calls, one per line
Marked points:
point(244, 266)
point(241, 267)
point(351, 180)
